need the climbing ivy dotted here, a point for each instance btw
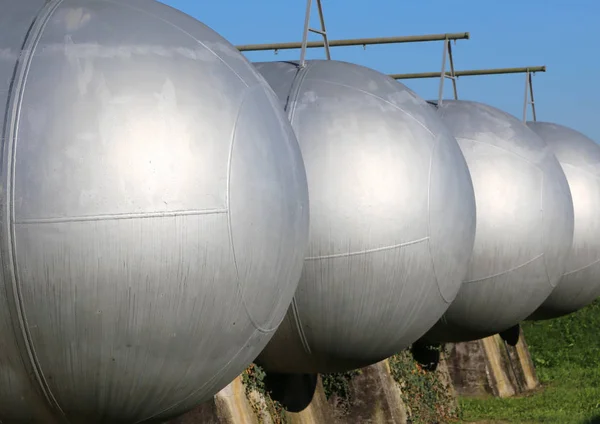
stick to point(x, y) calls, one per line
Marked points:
point(259, 397)
point(428, 400)
point(337, 388)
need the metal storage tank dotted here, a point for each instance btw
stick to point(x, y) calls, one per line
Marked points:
point(392, 217)
point(524, 222)
point(579, 157)
point(155, 212)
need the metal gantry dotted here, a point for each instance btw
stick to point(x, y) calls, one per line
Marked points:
point(529, 71)
point(447, 57)
point(447, 38)
point(447, 54)
point(307, 29)
point(356, 42)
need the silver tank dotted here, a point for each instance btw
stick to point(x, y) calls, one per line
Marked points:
point(155, 212)
point(524, 222)
point(392, 217)
point(579, 157)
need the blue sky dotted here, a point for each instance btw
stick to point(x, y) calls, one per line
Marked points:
point(564, 35)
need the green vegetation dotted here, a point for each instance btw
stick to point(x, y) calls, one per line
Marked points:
point(428, 400)
point(337, 385)
point(260, 398)
point(566, 353)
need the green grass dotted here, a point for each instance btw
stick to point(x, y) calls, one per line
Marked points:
point(566, 353)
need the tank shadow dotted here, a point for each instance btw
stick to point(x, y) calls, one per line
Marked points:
point(511, 335)
point(294, 391)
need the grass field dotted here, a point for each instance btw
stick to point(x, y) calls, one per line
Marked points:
point(566, 353)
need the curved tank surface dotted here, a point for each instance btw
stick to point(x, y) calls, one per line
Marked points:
point(155, 212)
point(579, 157)
point(524, 222)
point(392, 217)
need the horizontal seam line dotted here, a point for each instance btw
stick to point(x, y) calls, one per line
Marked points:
point(582, 268)
point(115, 217)
point(379, 98)
point(501, 148)
point(362, 252)
point(505, 272)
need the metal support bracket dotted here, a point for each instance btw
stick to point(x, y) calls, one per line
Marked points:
point(529, 99)
point(357, 42)
point(528, 71)
point(307, 29)
point(447, 55)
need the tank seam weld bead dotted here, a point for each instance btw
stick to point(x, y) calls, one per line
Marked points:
point(123, 4)
point(295, 92)
point(364, 252)
point(435, 276)
point(501, 148)
point(379, 98)
point(582, 268)
point(291, 100)
point(542, 235)
point(507, 271)
point(289, 96)
point(11, 123)
point(121, 216)
point(299, 326)
point(209, 381)
point(240, 289)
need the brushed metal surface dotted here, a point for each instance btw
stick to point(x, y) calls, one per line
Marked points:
point(524, 222)
point(392, 217)
point(155, 211)
point(579, 157)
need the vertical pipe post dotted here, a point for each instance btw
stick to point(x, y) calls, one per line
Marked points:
point(305, 34)
point(443, 72)
point(323, 29)
point(452, 72)
point(526, 100)
point(532, 98)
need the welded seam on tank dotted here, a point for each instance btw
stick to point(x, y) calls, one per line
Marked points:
point(299, 326)
point(595, 176)
point(292, 101)
point(500, 148)
point(293, 90)
point(377, 97)
point(240, 289)
point(505, 272)
point(145, 12)
point(582, 268)
point(18, 84)
point(119, 216)
point(429, 173)
point(543, 241)
point(367, 251)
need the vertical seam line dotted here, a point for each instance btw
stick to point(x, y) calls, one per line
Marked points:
point(11, 123)
point(292, 101)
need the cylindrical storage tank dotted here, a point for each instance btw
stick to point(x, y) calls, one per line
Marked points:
point(524, 222)
point(392, 217)
point(579, 157)
point(155, 212)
